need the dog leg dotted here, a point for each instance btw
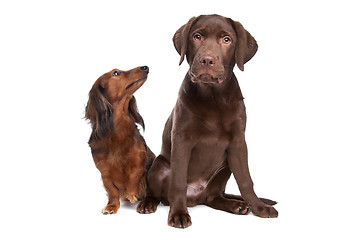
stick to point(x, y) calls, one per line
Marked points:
point(157, 183)
point(133, 187)
point(113, 195)
point(228, 205)
point(180, 156)
point(238, 163)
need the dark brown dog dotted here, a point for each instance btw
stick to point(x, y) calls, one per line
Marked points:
point(119, 151)
point(204, 137)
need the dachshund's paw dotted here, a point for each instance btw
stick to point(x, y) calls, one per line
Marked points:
point(132, 198)
point(265, 211)
point(148, 205)
point(110, 209)
point(179, 220)
point(241, 208)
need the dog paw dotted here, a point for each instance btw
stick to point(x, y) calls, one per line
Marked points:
point(146, 206)
point(132, 198)
point(110, 209)
point(265, 211)
point(241, 208)
point(179, 220)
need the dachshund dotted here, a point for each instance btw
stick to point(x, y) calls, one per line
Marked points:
point(118, 149)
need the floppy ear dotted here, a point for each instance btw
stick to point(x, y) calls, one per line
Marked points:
point(98, 110)
point(133, 110)
point(181, 37)
point(246, 45)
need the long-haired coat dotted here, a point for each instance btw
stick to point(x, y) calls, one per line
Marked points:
point(118, 149)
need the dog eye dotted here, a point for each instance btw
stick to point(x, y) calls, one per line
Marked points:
point(116, 73)
point(227, 40)
point(197, 37)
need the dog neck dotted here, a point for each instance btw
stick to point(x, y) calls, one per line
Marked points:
point(123, 122)
point(121, 105)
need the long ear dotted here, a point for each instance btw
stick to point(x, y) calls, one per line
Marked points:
point(180, 38)
point(133, 110)
point(99, 112)
point(246, 45)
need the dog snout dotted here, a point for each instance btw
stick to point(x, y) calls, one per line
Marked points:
point(207, 61)
point(144, 69)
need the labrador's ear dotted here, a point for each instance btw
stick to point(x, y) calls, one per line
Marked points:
point(246, 45)
point(181, 37)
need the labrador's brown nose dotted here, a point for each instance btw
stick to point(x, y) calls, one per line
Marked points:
point(207, 61)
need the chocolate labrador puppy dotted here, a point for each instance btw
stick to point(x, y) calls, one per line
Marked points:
point(204, 137)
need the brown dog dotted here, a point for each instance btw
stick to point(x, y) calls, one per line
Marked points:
point(119, 151)
point(204, 137)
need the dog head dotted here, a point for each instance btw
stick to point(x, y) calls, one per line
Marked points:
point(110, 89)
point(212, 45)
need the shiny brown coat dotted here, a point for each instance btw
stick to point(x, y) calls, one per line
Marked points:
point(119, 151)
point(204, 137)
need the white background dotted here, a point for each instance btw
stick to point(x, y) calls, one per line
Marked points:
point(301, 92)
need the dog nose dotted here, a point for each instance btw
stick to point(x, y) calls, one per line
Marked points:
point(144, 69)
point(207, 61)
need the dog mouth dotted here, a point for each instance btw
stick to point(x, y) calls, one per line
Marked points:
point(142, 79)
point(206, 78)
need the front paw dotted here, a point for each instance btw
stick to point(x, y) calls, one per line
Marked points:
point(179, 220)
point(110, 209)
point(264, 211)
point(148, 205)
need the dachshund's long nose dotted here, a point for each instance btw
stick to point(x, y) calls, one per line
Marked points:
point(145, 69)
